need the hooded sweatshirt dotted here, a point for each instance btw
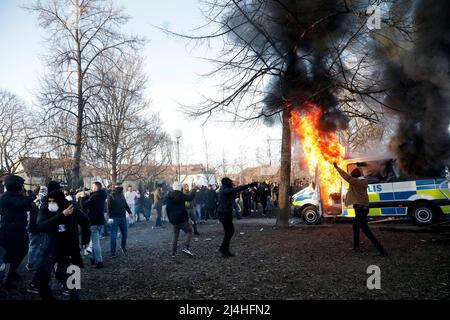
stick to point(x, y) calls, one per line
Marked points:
point(176, 210)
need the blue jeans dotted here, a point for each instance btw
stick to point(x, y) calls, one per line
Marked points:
point(147, 213)
point(35, 248)
point(198, 212)
point(122, 224)
point(95, 238)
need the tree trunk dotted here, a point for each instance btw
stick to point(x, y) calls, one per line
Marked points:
point(76, 180)
point(285, 172)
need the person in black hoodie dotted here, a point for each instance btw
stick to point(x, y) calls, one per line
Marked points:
point(60, 221)
point(117, 210)
point(14, 205)
point(94, 206)
point(227, 196)
point(178, 216)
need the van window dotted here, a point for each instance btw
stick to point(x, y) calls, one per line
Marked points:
point(379, 171)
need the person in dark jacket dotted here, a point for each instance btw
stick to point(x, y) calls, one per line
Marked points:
point(148, 203)
point(210, 203)
point(178, 216)
point(14, 205)
point(117, 210)
point(94, 206)
point(36, 238)
point(263, 194)
point(246, 201)
point(61, 222)
point(227, 196)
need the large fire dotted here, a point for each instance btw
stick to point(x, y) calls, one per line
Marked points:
point(320, 149)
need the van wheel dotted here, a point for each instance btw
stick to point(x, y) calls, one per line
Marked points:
point(423, 214)
point(310, 215)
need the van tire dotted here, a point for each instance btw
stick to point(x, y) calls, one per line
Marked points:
point(423, 214)
point(310, 215)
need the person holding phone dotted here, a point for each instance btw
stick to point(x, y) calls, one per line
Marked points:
point(60, 220)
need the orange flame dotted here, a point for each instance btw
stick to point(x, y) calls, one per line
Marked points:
point(320, 148)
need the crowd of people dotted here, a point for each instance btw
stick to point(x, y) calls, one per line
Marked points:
point(53, 227)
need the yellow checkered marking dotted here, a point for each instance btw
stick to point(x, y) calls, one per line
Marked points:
point(374, 197)
point(433, 192)
point(372, 212)
point(445, 209)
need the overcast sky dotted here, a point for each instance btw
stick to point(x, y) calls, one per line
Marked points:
point(173, 69)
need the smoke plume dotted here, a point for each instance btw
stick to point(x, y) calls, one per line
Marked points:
point(417, 75)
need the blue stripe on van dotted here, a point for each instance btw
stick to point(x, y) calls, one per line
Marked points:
point(429, 187)
point(401, 210)
point(386, 196)
point(388, 211)
point(403, 195)
point(424, 182)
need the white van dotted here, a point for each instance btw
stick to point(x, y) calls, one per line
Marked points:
point(391, 193)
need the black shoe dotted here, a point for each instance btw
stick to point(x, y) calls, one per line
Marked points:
point(226, 254)
point(196, 233)
point(113, 255)
point(125, 251)
point(8, 285)
point(381, 253)
point(99, 265)
point(356, 249)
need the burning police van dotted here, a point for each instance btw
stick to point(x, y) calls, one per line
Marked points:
point(391, 193)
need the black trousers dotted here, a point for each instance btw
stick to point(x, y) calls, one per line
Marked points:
point(16, 248)
point(228, 228)
point(42, 277)
point(360, 222)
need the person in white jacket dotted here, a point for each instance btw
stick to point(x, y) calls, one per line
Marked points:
point(131, 196)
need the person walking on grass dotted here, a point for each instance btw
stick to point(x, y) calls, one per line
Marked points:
point(179, 217)
point(117, 210)
point(94, 206)
point(227, 196)
point(358, 197)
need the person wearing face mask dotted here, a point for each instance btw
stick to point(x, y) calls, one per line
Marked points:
point(14, 205)
point(226, 197)
point(358, 197)
point(60, 221)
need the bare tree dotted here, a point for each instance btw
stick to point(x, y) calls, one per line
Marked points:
point(80, 33)
point(278, 55)
point(15, 127)
point(122, 138)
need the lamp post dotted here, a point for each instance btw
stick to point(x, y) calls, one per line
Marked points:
point(178, 135)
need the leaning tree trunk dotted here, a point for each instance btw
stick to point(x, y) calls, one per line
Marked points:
point(285, 172)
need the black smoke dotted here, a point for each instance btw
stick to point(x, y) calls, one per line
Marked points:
point(297, 39)
point(417, 75)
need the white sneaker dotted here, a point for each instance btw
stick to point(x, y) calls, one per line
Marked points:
point(186, 251)
point(2, 267)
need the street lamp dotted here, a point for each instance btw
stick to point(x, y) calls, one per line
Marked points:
point(178, 135)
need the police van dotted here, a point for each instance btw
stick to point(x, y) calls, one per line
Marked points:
point(391, 193)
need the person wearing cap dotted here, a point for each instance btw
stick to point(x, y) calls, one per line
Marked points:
point(358, 197)
point(226, 199)
point(61, 221)
point(179, 217)
point(14, 205)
